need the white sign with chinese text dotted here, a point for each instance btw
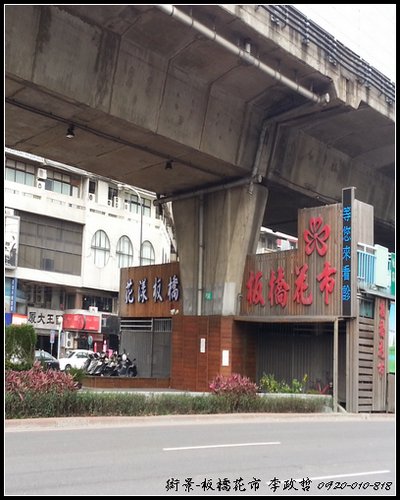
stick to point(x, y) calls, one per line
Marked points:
point(43, 318)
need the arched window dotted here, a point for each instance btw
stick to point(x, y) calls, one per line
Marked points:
point(101, 248)
point(148, 256)
point(124, 252)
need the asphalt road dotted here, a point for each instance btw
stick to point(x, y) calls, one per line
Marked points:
point(219, 455)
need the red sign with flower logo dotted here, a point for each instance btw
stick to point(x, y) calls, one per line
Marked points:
point(302, 281)
point(316, 236)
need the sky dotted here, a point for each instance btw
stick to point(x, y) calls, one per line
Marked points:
point(369, 30)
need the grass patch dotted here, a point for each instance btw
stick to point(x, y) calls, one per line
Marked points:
point(82, 403)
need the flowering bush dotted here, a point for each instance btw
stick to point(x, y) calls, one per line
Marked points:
point(39, 380)
point(234, 384)
point(268, 383)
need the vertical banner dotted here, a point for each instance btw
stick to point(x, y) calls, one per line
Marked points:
point(392, 338)
point(11, 237)
point(393, 274)
point(349, 256)
point(13, 295)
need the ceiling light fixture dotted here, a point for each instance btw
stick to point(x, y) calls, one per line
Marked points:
point(70, 132)
point(168, 165)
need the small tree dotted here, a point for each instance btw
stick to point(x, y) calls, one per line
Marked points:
point(20, 342)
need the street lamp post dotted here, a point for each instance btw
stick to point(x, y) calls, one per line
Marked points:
point(60, 324)
point(124, 186)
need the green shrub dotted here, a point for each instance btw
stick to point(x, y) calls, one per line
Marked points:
point(78, 374)
point(81, 403)
point(19, 346)
point(268, 383)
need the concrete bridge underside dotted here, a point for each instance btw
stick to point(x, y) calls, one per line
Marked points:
point(141, 88)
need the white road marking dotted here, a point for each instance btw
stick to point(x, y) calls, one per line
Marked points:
point(218, 446)
point(348, 475)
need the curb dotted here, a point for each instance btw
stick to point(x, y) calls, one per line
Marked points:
point(70, 423)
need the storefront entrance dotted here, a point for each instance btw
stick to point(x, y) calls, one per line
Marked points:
point(290, 350)
point(149, 341)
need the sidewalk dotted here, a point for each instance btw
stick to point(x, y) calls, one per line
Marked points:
point(65, 423)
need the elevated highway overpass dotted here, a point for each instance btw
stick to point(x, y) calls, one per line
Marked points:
point(257, 110)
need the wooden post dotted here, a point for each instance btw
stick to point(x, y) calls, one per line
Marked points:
point(335, 364)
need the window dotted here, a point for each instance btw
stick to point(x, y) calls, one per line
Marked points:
point(59, 182)
point(133, 204)
point(148, 257)
point(124, 252)
point(50, 244)
point(112, 193)
point(132, 201)
point(17, 171)
point(102, 303)
point(101, 248)
point(92, 187)
point(367, 308)
point(146, 207)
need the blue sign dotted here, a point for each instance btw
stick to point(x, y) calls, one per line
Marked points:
point(347, 217)
point(13, 295)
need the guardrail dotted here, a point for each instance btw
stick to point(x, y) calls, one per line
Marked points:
point(366, 268)
point(336, 52)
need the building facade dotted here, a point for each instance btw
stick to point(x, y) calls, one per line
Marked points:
point(321, 309)
point(67, 235)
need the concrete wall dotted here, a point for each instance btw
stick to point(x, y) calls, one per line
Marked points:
point(231, 224)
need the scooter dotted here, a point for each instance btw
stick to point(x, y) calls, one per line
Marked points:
point(126, 367)
point(110, 369)
point(94, 363)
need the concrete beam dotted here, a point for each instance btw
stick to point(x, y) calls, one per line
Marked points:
point(311, 166)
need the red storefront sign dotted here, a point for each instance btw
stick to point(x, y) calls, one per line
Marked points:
point(279, 291)
point(382, 333)
point(81, 322)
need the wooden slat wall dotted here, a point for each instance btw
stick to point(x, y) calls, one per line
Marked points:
point(379, 381)
point(288, 260)
point(365, 363)
point(371, 384)
point(150, 309)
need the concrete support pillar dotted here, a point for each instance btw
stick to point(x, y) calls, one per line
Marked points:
point(230, 225)
point(78, 300)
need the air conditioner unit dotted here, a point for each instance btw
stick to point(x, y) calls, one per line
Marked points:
point(93, 309)
point(42, 173)
point(69, 340)
point(117, 201)
point(126, 206)
point(91, 197)
point(110, 203)
point(40, 184)
point(69, 344)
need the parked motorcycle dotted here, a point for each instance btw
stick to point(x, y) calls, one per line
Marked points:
point(117, 365)
point(127, 367)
